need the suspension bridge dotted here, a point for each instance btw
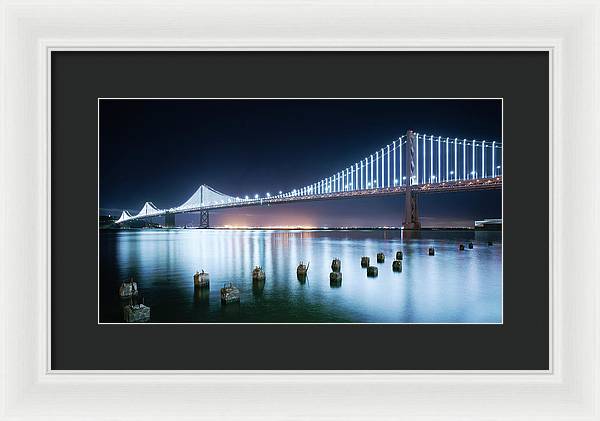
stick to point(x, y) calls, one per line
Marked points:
point(413, 164)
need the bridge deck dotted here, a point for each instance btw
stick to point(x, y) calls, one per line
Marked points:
point(445, 187)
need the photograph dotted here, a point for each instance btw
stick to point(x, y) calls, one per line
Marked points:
point(300, 210)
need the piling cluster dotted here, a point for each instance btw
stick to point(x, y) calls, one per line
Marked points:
point(135, 310)
point(132, 304)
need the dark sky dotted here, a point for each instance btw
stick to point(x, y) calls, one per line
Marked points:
point(162, 150)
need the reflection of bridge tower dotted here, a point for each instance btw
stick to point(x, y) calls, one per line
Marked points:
point(411, 211)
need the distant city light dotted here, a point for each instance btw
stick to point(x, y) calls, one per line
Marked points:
point(268, 194)
point(280, 192)
point(451, 172)
point(498, 167)
point(247, 197)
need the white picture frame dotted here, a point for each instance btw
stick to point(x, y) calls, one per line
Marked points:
point(568, 29)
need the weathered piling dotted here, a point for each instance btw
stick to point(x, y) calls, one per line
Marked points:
point(258, 274)
point(380, 258)
point(335, 279)
point(136, 313)
point(461, 247)
point(201, 279)
point(128, 288)
point(230, 294)
point(372, 271)
point(302, 270)
point(397, 265)
point(399, 255)
point(470, 245)
point(431, 251)
point(336, 265)
point(365, 261)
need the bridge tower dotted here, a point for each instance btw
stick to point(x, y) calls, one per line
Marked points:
point(170, 220)
point(204, 219)
point(411, 210)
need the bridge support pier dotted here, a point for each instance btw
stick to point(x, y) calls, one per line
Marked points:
point(411, 209)
point(411, 215)
point(170, 220)
point(204, 219)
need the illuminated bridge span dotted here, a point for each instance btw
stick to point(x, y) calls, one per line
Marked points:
point(412, 165)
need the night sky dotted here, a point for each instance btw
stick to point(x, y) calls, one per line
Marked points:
point(162, 150)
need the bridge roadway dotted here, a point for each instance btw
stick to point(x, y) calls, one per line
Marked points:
point(445, 187)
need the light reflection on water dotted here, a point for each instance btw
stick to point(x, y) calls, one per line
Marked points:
point(451, 287)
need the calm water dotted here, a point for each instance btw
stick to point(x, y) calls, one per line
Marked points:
point(451, 287)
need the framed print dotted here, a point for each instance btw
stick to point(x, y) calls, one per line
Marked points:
point(209, 257)
point(324, 211)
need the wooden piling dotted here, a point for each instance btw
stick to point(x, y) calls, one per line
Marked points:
point(372, 271)
point(335, 279)
point(336, 265)
point(230, 294)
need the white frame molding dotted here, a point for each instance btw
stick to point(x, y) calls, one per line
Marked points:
point(568, 29)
